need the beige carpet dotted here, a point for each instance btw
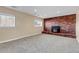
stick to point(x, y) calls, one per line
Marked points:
point(41, 44)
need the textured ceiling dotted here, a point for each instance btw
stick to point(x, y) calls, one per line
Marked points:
point(47, 11)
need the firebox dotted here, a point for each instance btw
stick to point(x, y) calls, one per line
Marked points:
point(55, 29)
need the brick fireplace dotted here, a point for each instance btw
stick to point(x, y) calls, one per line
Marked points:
point(61, 25)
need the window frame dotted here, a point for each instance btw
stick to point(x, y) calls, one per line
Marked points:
point(7, 21)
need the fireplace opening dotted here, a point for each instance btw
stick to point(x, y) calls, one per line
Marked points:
point(55, 29)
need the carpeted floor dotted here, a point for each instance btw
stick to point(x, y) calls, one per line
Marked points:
point(42, 43)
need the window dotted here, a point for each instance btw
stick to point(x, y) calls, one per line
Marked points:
point(7, 20)
point(37, 22)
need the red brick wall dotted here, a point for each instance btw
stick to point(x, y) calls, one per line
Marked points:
point(67, 23)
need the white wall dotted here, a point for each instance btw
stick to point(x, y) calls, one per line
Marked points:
point(24, 26)
point(77, 26)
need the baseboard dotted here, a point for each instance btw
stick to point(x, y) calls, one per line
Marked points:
point(17, 38)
